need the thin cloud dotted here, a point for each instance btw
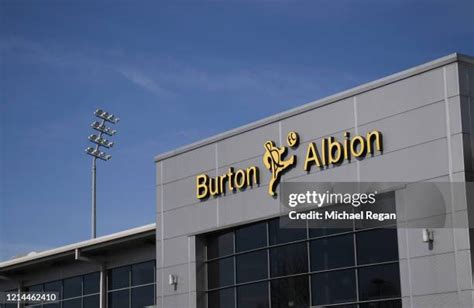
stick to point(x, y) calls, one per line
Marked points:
point(143, 81)
point(165, 77)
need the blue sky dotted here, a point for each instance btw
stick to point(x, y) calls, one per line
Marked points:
point(175, 72)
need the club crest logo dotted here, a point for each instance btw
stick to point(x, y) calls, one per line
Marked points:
point(274, 160)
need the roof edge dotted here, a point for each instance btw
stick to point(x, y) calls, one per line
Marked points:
point(451, 58)
point(83, 244)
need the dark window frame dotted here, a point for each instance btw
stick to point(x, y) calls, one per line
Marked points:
point(307, 240)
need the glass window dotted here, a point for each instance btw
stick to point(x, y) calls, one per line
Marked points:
point(332, 252)
point(289, 259)
point(284, 234)
point(54, 286)
point(221, 273)
point(72, 287)
point(91, 301)
point(252, 266)
point(317, 231)
point(73, 303)
point(220, 244)
point(333, 287)
point(253, 295)
point(35, 288)
point(290, 292)
point(119, 299)
point(384, 239)
point(384, 304)
point(379, 281)
point(91, 283)
point(143, 273)
point(251, 237)
point(224, 298)
point(119, 278)
point(143, 296)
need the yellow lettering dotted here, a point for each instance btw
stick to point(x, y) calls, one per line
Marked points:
point(201, 186)
point(374, 137)
point(252, 176)
point(334, 146)
point(358, 146)
point(312, 157)
point(240, 179)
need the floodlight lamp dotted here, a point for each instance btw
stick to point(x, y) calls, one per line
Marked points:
point(98, 154)
point(106, 116)
point(101, 141)
point(102, 128)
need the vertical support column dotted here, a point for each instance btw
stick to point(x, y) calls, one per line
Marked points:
point(93, 220)
point(18, 305)
point(103, 288)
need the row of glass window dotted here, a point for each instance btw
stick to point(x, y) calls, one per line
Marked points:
point(128, 286)
point(334, 287)
point(132, 286)
point(271, 233)
point(324, 254)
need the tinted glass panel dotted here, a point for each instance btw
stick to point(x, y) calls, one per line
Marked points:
point(384, 239)
point(72, 287)
point(143, 273)
point(91, 283)
point(284, 234)
point(318, 232)
point(54, 286)
point(253, 295)
point(332, 252)
point(143, 296)
point(251, 237)
point(91, 301)
point(222, 299)
point(290, 292)
point(119, 278)
point(220, 273)
point(119, 299)
point(35, 288)
point(220, 244)
point(73, 303)
point(380, 281)
point(252, 266)
point(333, 287)
point(289, 259)
point(387, 304)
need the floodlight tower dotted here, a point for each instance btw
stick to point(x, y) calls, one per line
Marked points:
point(95, 152)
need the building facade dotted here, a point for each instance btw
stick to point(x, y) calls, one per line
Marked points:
point(219, 219)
